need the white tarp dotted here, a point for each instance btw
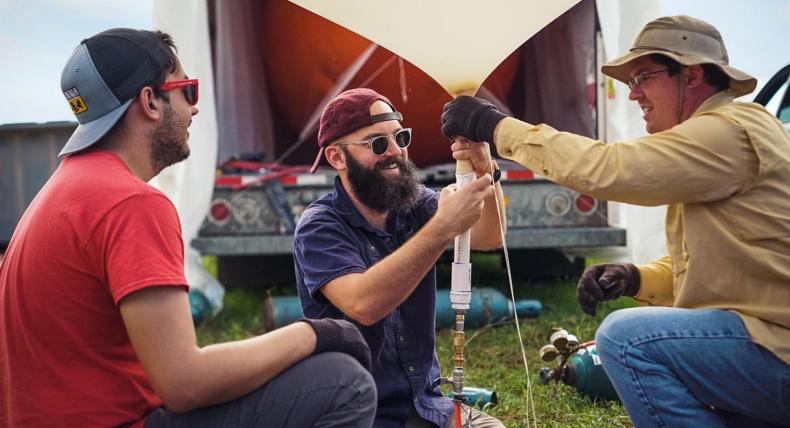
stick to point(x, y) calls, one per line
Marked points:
point(621, 21)
point(190, 184)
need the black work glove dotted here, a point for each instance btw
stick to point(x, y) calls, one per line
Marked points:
point(470, 117)
point(606, 282)
point(340, 336)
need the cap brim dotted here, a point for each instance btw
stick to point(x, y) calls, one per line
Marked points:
point(740, 84)
point(89, 133)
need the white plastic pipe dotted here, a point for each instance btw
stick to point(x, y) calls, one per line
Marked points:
point(461, 280)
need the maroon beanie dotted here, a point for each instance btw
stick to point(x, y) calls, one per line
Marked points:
point(347, 113)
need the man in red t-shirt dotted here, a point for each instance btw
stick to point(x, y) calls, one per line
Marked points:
point(95, 324)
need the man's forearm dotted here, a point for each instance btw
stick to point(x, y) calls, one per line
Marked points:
point(222, 372)
point(383, 287)
point(186, 377)
point(487, 232)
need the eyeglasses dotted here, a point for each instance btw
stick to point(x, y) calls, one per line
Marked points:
point(189, 87)
point(379, 144)
point(639, 80)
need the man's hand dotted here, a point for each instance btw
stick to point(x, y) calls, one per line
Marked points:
point(606, 282)
point(460, 208)
point(477, 153)
point(470, 117)
point(340, 336)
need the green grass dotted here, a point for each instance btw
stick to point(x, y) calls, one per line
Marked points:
point(493, 356)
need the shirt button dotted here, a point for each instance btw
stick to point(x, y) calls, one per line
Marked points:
point(400, 338)
point(411, 368)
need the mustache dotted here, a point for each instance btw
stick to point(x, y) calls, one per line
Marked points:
point(388, 161)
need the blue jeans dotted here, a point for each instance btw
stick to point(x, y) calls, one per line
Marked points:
point(677, 367)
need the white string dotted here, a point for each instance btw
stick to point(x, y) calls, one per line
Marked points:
point(530, 399)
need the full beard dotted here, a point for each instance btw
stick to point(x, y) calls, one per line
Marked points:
point(167, 148)
point(382, 193)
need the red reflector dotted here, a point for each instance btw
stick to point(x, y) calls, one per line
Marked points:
point(227, 180)
point(288, 180)
point(585, 203)
point(519, 175)
point(219, 211)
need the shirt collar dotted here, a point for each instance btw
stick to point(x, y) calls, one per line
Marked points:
point(714, 101)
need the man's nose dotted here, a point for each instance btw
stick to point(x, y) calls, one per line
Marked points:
point(634, 93)
point(392, 146)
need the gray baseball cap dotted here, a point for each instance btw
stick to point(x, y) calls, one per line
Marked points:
point(104, 74)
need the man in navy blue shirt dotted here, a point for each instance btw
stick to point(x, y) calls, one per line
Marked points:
point(367, 251)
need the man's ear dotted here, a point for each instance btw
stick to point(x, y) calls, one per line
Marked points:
point(336, 157)
point(694, 76)
point(150, 105)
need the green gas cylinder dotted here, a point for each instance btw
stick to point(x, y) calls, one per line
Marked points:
point(585, 372)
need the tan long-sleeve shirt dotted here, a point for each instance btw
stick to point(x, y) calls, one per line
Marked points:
point(724, 174)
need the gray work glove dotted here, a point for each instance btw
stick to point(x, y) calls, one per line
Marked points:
point(340, 336)
point(470, 117)
point(606, 282)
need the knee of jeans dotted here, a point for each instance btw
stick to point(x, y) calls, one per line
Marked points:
point(614, 331)
point(367, 385)
point(364, 383)
point(343, 366)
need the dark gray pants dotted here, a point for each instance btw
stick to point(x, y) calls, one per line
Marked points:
point(325, 390)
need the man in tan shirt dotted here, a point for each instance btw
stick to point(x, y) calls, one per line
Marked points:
point(716, 350)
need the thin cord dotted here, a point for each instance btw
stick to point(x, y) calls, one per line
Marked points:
point(530, 399)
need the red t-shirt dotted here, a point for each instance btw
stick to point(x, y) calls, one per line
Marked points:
point(93, 234)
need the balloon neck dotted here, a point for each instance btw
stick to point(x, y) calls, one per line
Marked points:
point(469, 89)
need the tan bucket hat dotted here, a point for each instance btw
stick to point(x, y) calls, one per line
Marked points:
point(687, 40)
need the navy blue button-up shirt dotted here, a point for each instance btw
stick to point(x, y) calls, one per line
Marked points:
point(333, 239)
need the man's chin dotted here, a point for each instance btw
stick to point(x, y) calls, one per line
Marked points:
point(176, 160)
point(181, 157)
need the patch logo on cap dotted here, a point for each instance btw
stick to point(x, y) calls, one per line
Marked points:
point(75, 101)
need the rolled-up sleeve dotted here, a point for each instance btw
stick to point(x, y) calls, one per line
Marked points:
point(324, 250)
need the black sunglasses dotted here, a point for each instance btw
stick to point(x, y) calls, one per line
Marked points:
point(379, 144)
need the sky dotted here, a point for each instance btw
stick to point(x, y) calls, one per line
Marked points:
point(36, 39)
point(38, 36)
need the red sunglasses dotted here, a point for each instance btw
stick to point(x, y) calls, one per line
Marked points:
point(189, 86)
